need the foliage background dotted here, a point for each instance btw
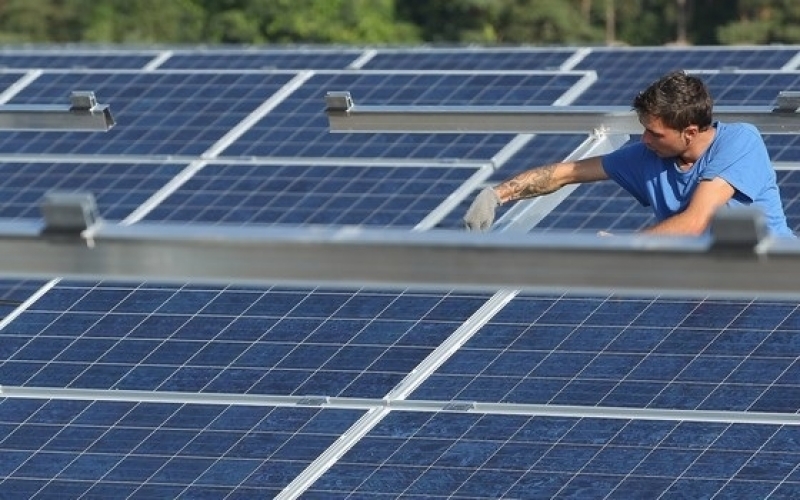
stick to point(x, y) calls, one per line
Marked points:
point(397, 22)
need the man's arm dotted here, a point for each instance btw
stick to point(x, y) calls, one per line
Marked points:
point(695, 219)
point(534, 182)
point(550, 178)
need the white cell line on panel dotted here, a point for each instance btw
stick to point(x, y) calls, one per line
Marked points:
point(401, 391)
point(363, 59)
point(20, 84)
point(477, 180)
point(158, 60)
point(586, 81)
point(575, 59)
point(176, 182)
point(27, 303)
point(792, 63)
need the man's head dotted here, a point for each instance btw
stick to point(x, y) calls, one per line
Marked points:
point(673, 111)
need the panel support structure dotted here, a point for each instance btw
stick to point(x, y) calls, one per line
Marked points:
point(82, 114)
point(344, 115)
point(434, 259)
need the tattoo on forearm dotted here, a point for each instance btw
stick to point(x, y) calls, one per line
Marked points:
point(532, 183)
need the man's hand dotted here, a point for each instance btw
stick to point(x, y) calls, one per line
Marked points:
point(480, 215)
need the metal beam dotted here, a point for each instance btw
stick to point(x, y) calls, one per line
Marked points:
point(399, 258)
point(346, 116)
point(83, 114)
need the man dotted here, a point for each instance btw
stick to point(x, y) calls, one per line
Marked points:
point(685, 167)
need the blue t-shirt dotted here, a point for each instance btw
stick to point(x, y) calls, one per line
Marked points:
point(737, 154)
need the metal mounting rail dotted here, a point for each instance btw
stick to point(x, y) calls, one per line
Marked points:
point(82, 114)
point(346, 116)
point(736, 259)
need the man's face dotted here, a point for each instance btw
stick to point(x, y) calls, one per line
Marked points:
point(664, 141)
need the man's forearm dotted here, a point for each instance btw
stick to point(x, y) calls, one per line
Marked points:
point(534, 182)
point(679, 224)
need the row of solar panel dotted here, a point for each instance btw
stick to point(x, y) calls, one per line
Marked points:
point(311, 194)
point(78, 449)
point(578, 350)
point(169, 113)
point(611, 60)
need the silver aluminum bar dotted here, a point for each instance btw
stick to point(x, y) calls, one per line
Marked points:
point(528, 119)
point(401, 258)
point(84, 114)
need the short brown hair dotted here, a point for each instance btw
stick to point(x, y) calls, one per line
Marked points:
point(678, 99)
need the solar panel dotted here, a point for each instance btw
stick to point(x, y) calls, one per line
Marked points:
point(118, 188)
point(158, 113)
point(357, 343)
point(634, 68)
point(294, 58)
point(644, 352)
point(373, 195)
point(298, 128)
point(60, 59)
point(470, 58)
point(108, 449)
point(422, 455)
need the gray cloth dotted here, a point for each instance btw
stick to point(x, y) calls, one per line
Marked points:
point(480, 215)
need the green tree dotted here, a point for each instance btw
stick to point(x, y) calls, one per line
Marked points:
point(26, 21)
point(762, 22)
point(500, 21)
point(143, 21)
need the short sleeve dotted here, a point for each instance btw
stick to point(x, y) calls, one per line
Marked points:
point(625, 167)
point(741, 159)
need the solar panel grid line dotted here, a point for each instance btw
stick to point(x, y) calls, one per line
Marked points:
point(575, 59)
point(26, 304)
point(453, 201)
point(651, 452)
point(446, 349)
point(793, 63)
point(730, 478)
point(624, 378)
point(158, 60)
point(298, 486)
point(42, 446)
point(587, 462)
point(216, 149)
point(579, 88)
point(363, 59)
point(12, 90)
point(399, 392)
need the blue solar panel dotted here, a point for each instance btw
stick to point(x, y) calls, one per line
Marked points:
point(72, 449)
point(471, 58)
point(634, 69)
point(8, 79)
point(68, 59)
point(296, 58)
point(118, 188)
point(651, 353)
point(277, 341)
point(420, 455)
point(156, 112)
point(375, 195)
point(298, 126)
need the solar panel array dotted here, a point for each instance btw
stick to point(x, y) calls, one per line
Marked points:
point(190, 390)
